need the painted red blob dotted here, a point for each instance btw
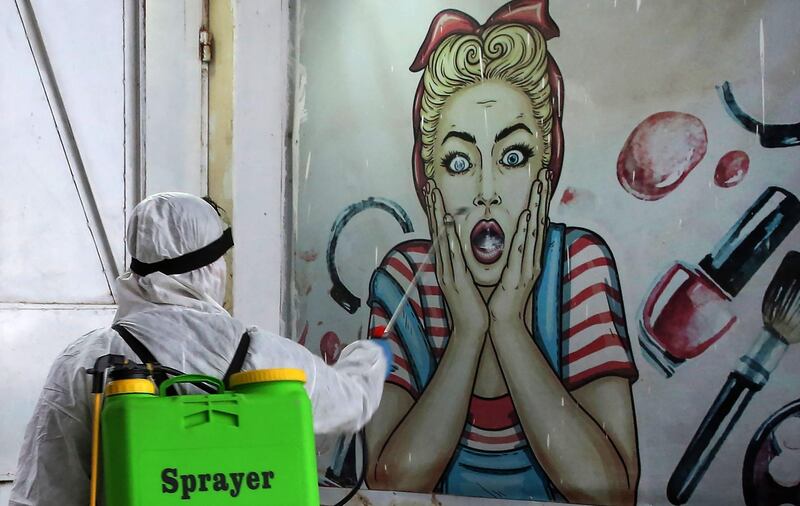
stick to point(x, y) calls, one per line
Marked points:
point(660, 153)
point(378, 332)
point(303, 335)
point(308, 256)
point(731, 169)
point(569, 195)
point(330, 347)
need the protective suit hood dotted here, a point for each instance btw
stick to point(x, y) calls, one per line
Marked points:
point(180, 312)
point(167, 226)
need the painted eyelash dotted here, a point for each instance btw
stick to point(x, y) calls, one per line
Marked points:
point(526, 150)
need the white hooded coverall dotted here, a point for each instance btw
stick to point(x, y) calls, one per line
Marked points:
point(179, 318)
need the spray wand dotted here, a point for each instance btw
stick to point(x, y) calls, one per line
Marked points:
point(781, 314)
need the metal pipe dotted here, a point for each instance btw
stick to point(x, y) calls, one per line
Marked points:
point(133, 78)
point(68, 144)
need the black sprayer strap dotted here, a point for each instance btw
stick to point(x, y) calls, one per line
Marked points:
point(238, 358)
point(143, 353)
point(190, 261)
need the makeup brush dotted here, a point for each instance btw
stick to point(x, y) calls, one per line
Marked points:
point(781, 313)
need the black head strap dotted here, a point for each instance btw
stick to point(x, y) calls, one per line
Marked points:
point(188, 262)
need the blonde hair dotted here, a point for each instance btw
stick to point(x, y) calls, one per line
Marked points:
point(512, 53)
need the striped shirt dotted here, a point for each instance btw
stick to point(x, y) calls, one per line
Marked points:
point(594, 338)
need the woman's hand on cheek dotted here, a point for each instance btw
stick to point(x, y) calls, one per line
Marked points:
point(467, 307)
point(507, 303)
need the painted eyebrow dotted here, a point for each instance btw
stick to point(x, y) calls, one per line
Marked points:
point(460, 135)
point(510, 130)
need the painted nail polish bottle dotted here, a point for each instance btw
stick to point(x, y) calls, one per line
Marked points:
point(687, 309)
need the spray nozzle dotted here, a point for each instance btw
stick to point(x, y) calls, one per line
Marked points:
point(101, 365)
point(118, 367)
point(122, 368)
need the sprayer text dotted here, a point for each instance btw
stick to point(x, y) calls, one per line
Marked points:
point(233, 483)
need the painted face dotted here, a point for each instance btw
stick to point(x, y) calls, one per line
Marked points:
point(488, 152)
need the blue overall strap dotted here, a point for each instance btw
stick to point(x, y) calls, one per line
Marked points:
point(547, 311)
point(387, 293)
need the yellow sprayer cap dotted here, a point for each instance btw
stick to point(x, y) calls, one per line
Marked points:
point(131, 386)
point(265, 375)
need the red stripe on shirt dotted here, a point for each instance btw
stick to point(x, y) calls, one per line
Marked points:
point(426, 267)
point(615, 368)
point(405, 385)
point(604, 341)
point(434, 312)
point(420, 247)
point(588, 292)
point(430, 290)
point(493, 439)
point(606, 317)
point(591, 264)
point(417, 308)
point(582, 243)
point(400, 362)
point(438, 331)
point(401, 267)
point(380, 312)
point(492, 414)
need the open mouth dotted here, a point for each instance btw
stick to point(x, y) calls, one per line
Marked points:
point(487, 241)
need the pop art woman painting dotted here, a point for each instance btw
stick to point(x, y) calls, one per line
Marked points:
point(513, 366)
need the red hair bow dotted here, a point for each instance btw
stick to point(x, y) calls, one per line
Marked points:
point(453, 22)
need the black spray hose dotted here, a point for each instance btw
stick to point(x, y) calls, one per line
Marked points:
point(362, 475)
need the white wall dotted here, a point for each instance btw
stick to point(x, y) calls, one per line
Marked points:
point(260, 109)
point(172, 141)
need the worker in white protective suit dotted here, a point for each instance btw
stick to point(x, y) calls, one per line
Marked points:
point(177, 316)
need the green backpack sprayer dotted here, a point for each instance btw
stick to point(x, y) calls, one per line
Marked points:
point(251, 444)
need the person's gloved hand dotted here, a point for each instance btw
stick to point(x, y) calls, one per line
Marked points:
point(387, 352)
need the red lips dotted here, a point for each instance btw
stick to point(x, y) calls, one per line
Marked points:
point(487, 240)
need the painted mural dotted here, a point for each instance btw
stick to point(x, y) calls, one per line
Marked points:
point(586, 307)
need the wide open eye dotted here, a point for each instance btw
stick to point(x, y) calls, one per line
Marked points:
point(513, 158)
point(516, 155)
point(456, 163)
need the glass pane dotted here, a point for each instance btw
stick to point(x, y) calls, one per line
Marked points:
point(655, 169)
point(48, 253)
point(93, 93)
point(31, 339)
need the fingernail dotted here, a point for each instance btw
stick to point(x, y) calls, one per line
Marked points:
point(448, 218)
point(527, 216)
point(433, 196)
point(549, 174)
point(538, 187)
